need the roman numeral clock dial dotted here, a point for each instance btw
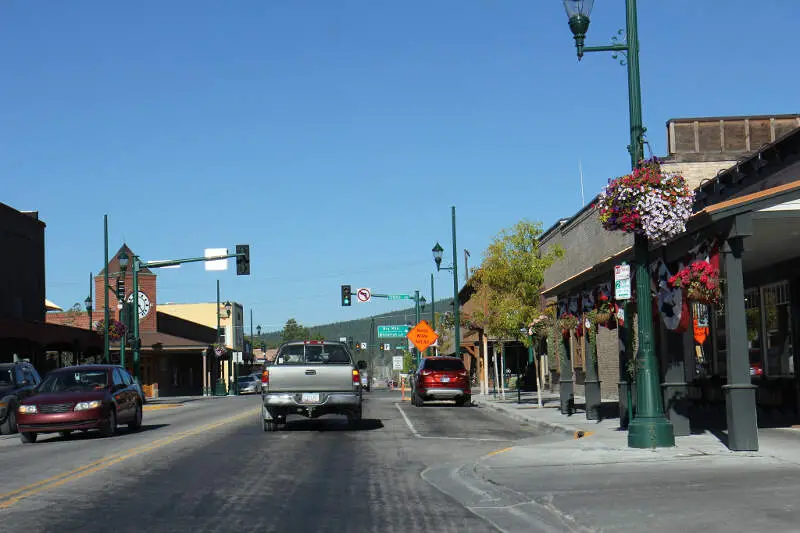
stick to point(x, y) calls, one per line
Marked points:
point(144, 304)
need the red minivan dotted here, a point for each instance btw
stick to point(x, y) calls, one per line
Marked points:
point(441, 378)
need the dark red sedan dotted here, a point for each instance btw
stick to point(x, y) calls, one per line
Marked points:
point(81, 398)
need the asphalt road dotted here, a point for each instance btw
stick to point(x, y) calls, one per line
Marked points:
point(209, 467)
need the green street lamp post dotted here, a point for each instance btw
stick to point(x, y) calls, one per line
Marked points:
point(106, 355)
point(433, 313)
point(418, 300)
point(136, 265)
point(126, 309)
point(649, 428)
point(437, 258)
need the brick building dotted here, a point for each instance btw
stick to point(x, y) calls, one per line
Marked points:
point(24, 332)
point(174, 352)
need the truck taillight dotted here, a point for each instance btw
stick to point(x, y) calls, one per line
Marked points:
point(356, 377)
point(265, 377)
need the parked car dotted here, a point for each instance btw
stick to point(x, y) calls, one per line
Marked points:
point(17, 382)
point(250, 384)
point(441, 378)
point(81, 397)
point(365, 380)
point(311, 379)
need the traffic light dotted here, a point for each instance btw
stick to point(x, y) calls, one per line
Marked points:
point(242, 259)
point(345, 295)
point(121, 289)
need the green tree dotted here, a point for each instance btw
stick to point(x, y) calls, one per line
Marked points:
point(293, 331)
point(509, 281)
point(71, 316)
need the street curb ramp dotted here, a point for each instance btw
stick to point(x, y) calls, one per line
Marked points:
point(507, 510)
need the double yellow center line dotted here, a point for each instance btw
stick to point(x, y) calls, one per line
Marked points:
point(9, 499)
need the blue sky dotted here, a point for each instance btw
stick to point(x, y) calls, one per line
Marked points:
point(334, 135)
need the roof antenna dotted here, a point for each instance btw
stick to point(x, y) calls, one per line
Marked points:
point(580, 170)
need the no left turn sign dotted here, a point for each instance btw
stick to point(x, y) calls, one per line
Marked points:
point(363, 295)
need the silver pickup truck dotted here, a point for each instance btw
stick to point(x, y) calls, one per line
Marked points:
point(311, 379)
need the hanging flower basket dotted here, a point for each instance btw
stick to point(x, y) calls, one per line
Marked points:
point(540, 326)
point(220, 349)
point(647, 202)
point(700, 282)
point(567, 323)
point(116, 329)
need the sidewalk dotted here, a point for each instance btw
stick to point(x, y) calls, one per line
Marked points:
point(170, 400)
point(595, 483)
point(607, 442)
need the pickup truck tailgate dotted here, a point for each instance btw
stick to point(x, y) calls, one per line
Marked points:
point(311, 378)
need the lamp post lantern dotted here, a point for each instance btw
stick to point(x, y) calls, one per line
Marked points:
point(231, 363)
point(106, 355)
point(88, 302)
point(437, 258)
point(649, 428)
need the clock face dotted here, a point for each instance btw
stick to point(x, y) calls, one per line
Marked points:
point(144, 304)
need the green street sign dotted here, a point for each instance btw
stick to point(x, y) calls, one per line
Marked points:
point(398, 297)
point(392, 331)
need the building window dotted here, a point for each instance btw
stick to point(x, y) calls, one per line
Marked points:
point(777, 330)
point(752, 310)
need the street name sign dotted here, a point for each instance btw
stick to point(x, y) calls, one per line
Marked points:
point(422, 335)
point(392, 331)
point(398, 297)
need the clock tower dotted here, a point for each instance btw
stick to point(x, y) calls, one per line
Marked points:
point(146, 298)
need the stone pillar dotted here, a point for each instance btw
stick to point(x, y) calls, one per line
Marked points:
point(626, 394)
point(675, 388)
point(740, 393)
point(565, 382)
point(592, 382)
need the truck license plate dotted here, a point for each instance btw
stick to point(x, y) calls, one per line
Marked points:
point(310, 398)
point(445, 379)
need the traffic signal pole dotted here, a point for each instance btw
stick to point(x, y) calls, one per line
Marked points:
point(138, 264)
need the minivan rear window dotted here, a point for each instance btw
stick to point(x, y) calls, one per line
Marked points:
point(444, 364)
point(305, 354)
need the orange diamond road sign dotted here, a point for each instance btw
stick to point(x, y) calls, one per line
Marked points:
point(422, 335)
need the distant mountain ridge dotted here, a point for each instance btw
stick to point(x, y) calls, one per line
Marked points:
point(359, 328)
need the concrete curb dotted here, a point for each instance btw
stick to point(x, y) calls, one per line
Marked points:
point(549, 427)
